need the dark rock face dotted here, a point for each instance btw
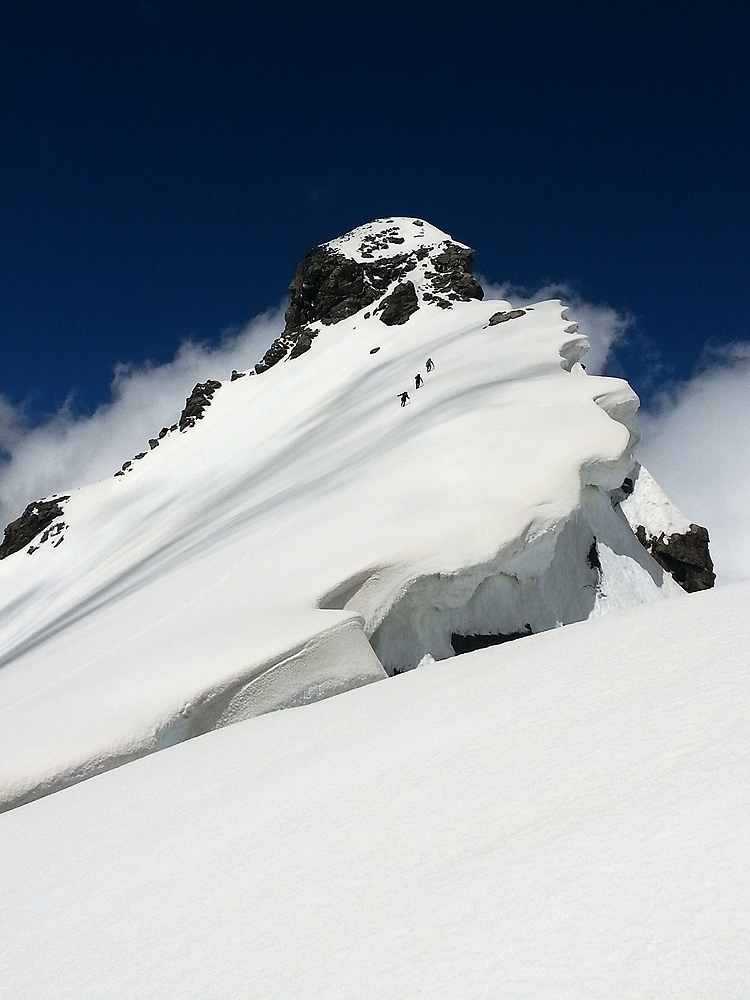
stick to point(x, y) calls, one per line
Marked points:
point(382, 240)
point(503, 317)
point(278, 349)
point(303, 342)
point(468, 643)
point(329, 286)
point(400, 304)
point(37, 517)
point(592, 557)
point(452, 276)
point(196, 403)
point(685, 557)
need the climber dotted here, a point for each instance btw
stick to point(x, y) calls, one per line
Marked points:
point(404, 397)
point(429, 365)
point(418, 381)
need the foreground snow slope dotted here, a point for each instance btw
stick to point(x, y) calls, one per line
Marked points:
point(257, 559)
point(565, 816)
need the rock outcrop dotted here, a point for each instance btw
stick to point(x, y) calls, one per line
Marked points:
point(331, 285)
point(196, 403)
point(400, 304)
point(686, 557)
point(37, 517)
point(452, 276)
point(678, 546)
point(503, 317)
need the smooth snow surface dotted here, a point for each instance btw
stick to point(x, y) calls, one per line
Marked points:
point(567, 816)
point(256, 560)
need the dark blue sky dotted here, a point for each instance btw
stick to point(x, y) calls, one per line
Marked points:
point(165, 165)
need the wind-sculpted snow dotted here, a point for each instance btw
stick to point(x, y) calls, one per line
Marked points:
point(565, 816)
point(308, 509)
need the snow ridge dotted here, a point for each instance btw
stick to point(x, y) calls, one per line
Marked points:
point(341, 517)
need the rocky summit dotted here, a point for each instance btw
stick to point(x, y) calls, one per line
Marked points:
point(395, 266)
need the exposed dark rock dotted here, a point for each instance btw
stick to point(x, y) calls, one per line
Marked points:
point(278, 349)
point(52, 532)
point(329, 287)
point(503, 317)
point(622, 492)
point(304, 341)
point(468, 643)
point(380, 240)
point(374, 350)
point(400, 304)
point(454, 277)
point(126, 465)
point(38, 516)
point(196, 403)
point(592, 557)
point(139, 456)
point(163, 433)
point(235, 375)
point(153, 443)
point(438, 300)
point(686, 557)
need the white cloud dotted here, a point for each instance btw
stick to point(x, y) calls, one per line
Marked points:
point(696, 444)
point(68, 451)
point(603, 325)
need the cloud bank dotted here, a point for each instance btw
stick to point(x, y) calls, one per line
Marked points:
point(696, 444)
point(69, 451)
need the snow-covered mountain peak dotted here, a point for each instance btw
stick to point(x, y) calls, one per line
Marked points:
point(387, 269)
point(387, 238)
point(436, 473)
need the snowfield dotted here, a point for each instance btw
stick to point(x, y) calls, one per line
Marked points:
point(309, 534)
point(566, 816)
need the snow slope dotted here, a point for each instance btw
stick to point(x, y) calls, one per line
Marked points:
point(566, 816)
point(309, 532)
